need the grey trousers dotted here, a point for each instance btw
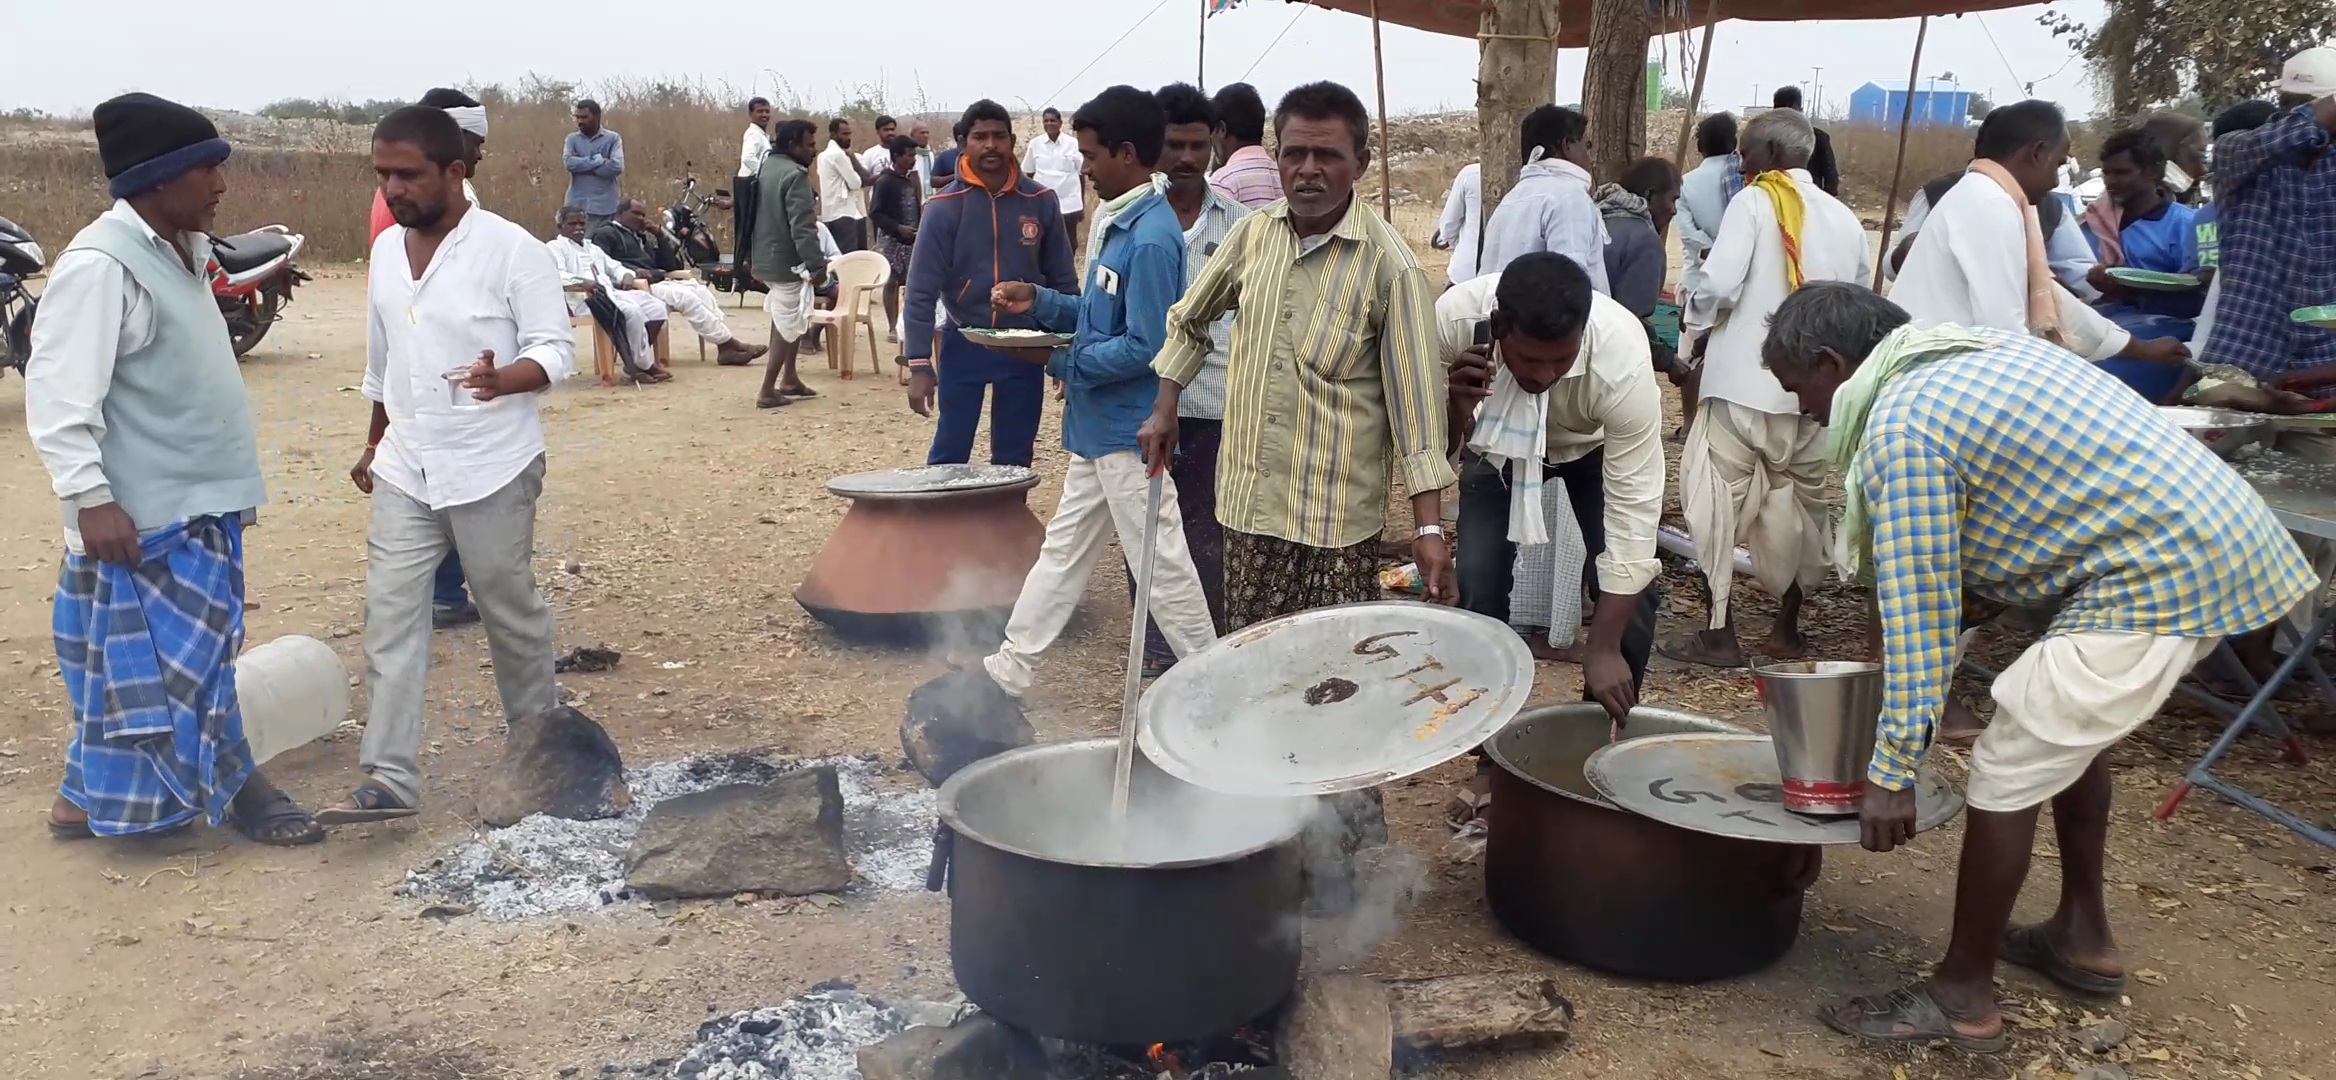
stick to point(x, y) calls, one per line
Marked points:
point(495, 537)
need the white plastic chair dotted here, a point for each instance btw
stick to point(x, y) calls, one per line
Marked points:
point(860, 277)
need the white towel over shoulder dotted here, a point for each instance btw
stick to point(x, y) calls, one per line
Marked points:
point(1512, 432)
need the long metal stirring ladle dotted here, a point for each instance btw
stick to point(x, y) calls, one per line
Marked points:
point(1125, 766)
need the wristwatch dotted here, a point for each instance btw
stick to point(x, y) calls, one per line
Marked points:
point(1429, 530)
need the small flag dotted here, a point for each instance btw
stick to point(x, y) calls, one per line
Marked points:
point(1217, 6)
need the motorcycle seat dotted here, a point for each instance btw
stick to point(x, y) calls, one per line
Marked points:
point(237, 254)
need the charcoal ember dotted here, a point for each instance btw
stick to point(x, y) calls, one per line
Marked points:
point(816, 1036)
point(979, 1047)
point(785, 837)
point(559, 763)
point(958, 719)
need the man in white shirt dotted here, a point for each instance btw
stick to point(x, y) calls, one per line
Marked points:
point(1586, 357)
point(841, 179)
point(921, 133)
point(876, 160)
point(1971, 265)
point(1462, 227)
point(1550, 209)
point(1054, 162)
point(2065, 245)
point(467, 326)
point(581, 263)
point(1753, 471)
point(752, 148)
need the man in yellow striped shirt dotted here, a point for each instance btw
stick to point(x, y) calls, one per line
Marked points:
point(1334, 379)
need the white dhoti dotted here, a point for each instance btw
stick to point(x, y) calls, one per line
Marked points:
point(639, 310)
point(2064, 701)
point(1756, 479)
point(695, 303)
point(789, 306)
point(1102, 497)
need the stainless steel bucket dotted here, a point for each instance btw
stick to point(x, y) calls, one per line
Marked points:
point(1822, 715)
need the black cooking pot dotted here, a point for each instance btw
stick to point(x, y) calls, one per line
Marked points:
point(1583, 881)
point(1185, 931)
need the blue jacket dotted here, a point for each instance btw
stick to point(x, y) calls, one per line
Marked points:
point(1119, 324)
point(968, 241)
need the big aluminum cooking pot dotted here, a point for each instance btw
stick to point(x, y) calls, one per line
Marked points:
point(1586, 882)
point(1184, 931)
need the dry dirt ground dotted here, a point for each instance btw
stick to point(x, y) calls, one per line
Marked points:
point(675, 524)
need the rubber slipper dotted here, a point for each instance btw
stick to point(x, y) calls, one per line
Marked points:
point(268, 824)
point(799, 392)
point(369, 803)
point(1907, 1015)
point(2031, 947)
point(1691, 651)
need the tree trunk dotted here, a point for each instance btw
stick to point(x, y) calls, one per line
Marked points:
point(1516, 73)
point(1614, 85)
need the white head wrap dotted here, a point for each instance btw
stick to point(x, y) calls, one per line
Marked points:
point(471, 118)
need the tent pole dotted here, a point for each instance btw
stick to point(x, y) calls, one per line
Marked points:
point(1695, 96)
point(1898, 171)
point(1379, 68)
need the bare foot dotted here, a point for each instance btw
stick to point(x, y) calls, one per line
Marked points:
point(798, 390)
point(772, 401)
point(1710, 648)
point(1786, 643)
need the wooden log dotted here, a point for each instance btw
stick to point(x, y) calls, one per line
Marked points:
point(1898, 170)
point(1479, 1012)
point(1338, 1027)
point(1695, 95)
point(1614, 86)
point(1516, 73)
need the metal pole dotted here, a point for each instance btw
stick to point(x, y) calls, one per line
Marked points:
point(1695, 96)
point(1898, 171)
point(1379, 68)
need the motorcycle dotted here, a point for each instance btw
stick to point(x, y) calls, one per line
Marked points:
point(20, 260)
point(692, 229)
point(252, 276)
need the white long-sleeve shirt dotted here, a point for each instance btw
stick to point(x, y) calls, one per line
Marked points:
point(1703, 206)
point(1744, 280)
point(1608, 399)
point(491, 287)
point(754, 147)
point(99, 314)
point(1550, 209)
point(2066, 249)
point(1055, 164)
point(1970, 268)
point(583, 259)
point(839, 185)
point(1462, 227)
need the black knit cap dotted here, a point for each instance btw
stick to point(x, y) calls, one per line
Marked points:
point(147, 142)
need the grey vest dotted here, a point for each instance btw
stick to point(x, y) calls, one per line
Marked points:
point(178, 437)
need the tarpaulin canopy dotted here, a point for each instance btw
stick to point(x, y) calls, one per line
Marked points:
point(1460, 17)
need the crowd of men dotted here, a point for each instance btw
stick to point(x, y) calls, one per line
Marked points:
point(1264, 352)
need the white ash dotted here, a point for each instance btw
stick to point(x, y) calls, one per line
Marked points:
point(817, 1036)
point(546, 865)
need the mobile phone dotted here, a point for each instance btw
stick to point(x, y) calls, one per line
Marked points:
point(1484, 332)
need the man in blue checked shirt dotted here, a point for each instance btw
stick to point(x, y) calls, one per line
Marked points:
point(1993, 461)
point(1119, 324)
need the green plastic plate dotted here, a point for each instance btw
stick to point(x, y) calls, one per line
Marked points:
point(2323, 316)
point(2153, 280)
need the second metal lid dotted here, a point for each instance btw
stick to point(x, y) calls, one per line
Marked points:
point(1728, 785)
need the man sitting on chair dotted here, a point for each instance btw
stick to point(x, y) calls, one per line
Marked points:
point(616, 297)
point(643, 248)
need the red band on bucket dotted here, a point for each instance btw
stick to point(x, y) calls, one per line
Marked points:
point(1823, 796)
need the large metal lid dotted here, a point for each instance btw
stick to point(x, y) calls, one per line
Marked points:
point(932, 481)
point(1335, 699)
point(1728, 785)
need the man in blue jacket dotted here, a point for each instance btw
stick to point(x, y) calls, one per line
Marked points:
point(991, 224)
point(1119, 324)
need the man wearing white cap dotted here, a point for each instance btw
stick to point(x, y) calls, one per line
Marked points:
point(2276, 186)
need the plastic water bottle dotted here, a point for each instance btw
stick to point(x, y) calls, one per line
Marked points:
point(294, 691)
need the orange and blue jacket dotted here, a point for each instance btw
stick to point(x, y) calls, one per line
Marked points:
point(971, 238)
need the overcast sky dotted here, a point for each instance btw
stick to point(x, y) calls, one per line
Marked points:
point(64, 56)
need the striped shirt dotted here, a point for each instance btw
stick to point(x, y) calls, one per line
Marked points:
point(1250, 177)
point(2028, 476)
point(1334, 374)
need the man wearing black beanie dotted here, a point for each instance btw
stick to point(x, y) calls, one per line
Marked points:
point(136, 405)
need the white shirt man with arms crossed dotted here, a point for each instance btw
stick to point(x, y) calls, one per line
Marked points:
point(467, 326)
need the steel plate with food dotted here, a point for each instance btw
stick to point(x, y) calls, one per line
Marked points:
point(1013, 339)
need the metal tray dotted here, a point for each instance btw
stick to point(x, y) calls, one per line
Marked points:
point(931, 481)
point(988, 338)
point(1335, 699)
point(1728, 785)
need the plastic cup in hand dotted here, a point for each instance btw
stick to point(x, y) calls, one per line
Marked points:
point(458, 395)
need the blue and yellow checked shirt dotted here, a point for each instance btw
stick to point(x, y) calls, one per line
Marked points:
point(2027, 475)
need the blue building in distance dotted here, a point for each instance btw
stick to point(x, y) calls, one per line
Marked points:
point(1936, 104)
